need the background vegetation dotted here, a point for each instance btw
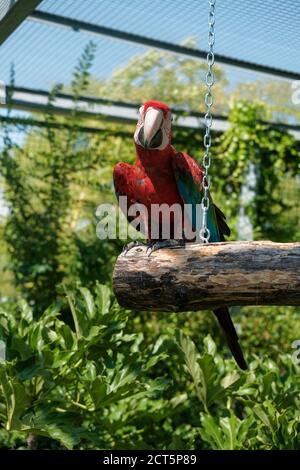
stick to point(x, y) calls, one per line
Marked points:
point(80, 372)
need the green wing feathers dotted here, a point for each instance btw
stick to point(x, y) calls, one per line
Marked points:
point(188, 177)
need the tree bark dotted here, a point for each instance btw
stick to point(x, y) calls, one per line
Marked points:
point(201, 276)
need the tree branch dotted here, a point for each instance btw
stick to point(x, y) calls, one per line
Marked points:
point(207, 276)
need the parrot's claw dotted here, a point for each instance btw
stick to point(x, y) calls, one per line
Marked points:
point(159, 244)
point(131, 245)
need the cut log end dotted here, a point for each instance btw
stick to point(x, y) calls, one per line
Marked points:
point(200, 277)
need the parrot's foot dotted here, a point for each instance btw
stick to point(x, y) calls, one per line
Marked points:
point(159, 244)
point(131, 245)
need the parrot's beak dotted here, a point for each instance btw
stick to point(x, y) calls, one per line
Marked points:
point(152, 130)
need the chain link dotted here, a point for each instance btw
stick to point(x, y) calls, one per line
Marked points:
point(210, 80)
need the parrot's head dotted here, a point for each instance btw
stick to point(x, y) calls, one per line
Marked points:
point(153, 130)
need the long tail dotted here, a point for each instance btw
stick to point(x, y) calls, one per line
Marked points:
point(231, 336)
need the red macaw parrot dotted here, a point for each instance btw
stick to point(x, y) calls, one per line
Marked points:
point(163, 175)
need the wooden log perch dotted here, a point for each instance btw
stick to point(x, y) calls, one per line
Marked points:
point(201, 276)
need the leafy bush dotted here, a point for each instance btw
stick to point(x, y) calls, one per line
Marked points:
point(74, 385)
point(255, 410)
point(48, 191)
point(89, 383)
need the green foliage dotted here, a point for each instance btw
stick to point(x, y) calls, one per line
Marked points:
point(275, 94)
point(96, 382)
point(274, 155)
point(167, 77)
point(47, 189)
point(255, 410)
point(180, 82)
point(74, 384)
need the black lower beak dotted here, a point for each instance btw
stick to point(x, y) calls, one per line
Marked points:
point(155, 142)
point(142, 137)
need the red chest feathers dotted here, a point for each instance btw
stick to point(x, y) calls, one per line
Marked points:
point(155, 187)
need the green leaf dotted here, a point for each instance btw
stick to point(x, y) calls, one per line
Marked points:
point(211, 432)
point(79, 317)
point(102, 298)
point(210, 345)
point(190, 355)
point(64, 435)
point(265, 418)
point(227, 433)
point(19, 345)
point(89, 302)
point(210, 389)
point(98, 391)
point(66, 336)
point(15, 398)
point(126, 375)
point(203, 370)
point(26, 311)
point(74, 315)
point(230, 426)
point(35, 337)
point(50, 314)
point(230, 379)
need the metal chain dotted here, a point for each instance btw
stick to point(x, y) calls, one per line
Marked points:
point(210, 80)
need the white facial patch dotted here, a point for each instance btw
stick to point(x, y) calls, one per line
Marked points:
point(149, 124)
